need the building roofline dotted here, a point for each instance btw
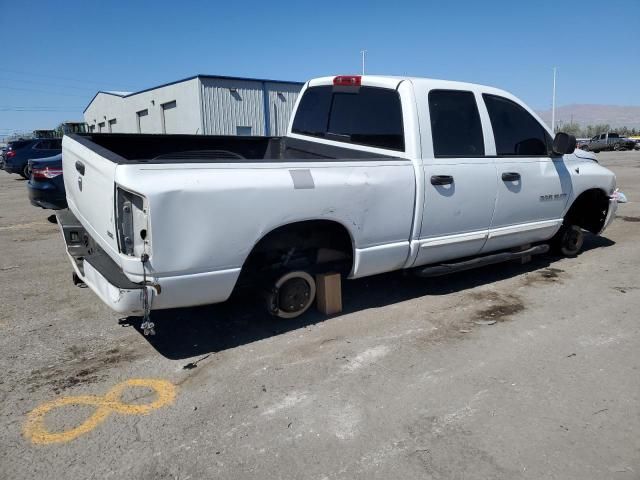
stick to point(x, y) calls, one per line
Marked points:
point(200, 75)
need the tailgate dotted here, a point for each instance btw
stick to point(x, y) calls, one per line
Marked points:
point(89, 182)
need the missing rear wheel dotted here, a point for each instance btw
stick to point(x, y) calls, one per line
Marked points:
point(292, 295)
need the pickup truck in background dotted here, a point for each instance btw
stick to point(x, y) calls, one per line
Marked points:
point(608, 141)
point(375, 174)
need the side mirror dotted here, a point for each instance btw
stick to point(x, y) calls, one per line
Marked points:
point(564, 143)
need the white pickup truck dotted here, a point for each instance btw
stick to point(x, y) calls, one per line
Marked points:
point(375, 174)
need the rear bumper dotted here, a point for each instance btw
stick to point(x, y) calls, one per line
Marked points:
point(126, 301)
point(107, 280)
point(12, 168)
point(46, 197)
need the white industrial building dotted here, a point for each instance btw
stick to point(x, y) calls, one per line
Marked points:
point(202, 104)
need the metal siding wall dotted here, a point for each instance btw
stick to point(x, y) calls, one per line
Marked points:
point(282, 98)
point(223, 110)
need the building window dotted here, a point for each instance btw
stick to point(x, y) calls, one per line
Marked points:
point(243, 131)
point(112, 122)
point(92, 128)
point(100, 127)
point(139, 115)
point(166, 107)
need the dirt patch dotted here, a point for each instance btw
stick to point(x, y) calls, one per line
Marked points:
point(546, 275)
point(500, 306)
point(77, 368)
point(628, 219)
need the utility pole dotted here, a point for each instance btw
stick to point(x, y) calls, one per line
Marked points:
point(553, 104)
point(363, 52)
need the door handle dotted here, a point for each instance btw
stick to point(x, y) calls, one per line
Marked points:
point(80, 167)
point(441, 180)
point(510, 176)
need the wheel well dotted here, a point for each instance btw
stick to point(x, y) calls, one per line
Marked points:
point(308, 245)
point(589, 210)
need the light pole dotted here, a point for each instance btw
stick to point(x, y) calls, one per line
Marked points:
point(363, 52)
point(553, 104)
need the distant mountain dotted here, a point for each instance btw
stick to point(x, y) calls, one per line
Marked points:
point(614, 115)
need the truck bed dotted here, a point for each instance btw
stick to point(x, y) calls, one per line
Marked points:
point(126, 149)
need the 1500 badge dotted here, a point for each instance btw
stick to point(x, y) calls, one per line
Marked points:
point(555, 196)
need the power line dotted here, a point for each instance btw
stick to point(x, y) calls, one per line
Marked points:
point(73, 87)
point(40, 110)
point(43, 91)
point(101, 83)
point(40, 106)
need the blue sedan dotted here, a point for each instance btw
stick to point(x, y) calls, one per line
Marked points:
point(46, 185)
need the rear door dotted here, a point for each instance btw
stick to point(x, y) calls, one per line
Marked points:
point(533, 185)
point(89, 183)
point(459, 179)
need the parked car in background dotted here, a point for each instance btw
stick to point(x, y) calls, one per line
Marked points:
point(19, 153)
point(3, 152)
point(46, 185)
point(608, 141)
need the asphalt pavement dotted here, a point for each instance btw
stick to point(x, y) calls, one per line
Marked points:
point(413, 380)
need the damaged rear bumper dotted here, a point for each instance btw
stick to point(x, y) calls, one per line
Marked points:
point(97, 270)
point(107, 280)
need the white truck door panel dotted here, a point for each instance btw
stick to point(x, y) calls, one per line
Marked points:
point(456, 217)
point(534, 202)
point(460, 181)
point(532, 186)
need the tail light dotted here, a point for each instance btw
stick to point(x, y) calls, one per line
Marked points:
point(45, 173)
point(131, 223)
point(347, 81)
point(11, 153)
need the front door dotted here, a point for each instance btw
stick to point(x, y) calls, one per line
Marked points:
point(533, 185)
point(460, 182)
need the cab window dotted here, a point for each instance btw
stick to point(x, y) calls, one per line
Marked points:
point(365, 116)
point(515, 130)
point(455, 124)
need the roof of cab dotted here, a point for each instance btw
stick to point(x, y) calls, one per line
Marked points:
point(391, 81)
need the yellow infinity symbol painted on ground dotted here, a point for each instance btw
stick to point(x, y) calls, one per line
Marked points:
point(36, 431)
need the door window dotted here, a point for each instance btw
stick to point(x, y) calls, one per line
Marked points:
point(455, 124)
point(515, 130)
point(365, 116)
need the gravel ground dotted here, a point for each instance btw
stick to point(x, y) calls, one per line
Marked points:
point(404, 384)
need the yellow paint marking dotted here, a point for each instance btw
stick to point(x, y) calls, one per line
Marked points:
point(36, 431)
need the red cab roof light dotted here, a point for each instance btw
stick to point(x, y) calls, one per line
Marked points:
point(347, 80)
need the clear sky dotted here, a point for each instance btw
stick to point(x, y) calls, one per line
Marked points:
point(57, 54)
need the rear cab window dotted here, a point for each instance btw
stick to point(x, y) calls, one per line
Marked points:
point(369, 116)
point(516, 132)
